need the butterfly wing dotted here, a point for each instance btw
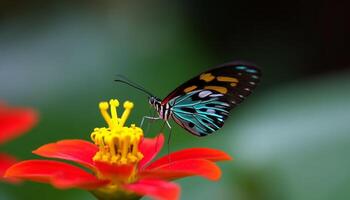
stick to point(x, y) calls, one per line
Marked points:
point(201, 104)
point(234, 80)
point(200, 112)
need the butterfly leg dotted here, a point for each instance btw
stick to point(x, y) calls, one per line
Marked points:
point(167, 122)
point(149, 118)
point(169, 136)
point(153, 114)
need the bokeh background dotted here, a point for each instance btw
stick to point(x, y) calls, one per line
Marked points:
point(290, 139)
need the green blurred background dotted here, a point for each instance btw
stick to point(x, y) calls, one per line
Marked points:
point(290, 139)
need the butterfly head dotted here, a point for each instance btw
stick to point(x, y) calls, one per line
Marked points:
point(155, 102)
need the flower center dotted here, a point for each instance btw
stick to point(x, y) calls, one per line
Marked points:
point(117, 144)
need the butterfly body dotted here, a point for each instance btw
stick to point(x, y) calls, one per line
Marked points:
point(202, 104)
point(164, 111)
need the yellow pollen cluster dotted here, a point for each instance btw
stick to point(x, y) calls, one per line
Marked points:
point(117, 144)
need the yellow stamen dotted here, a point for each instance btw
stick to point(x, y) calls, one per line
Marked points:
point(103, 108)
point(128, 106)
point(114, 104)
point(117, 144)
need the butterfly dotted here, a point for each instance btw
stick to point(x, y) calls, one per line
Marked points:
point(202, 104)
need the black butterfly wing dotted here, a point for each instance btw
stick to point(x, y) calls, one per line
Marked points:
point(201, 104)
point(234, 80)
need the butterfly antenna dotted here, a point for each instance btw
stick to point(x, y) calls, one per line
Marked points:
point(123, 79)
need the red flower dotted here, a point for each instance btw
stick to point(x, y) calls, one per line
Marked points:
point(151, 178)
point(13, 122)
point(119, 163)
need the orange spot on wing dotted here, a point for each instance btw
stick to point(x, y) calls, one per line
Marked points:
point(222, 90)
point(207, 77)
point(227, 79)
point(189, 89)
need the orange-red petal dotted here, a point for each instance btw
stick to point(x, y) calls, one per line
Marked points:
point(184, 168)
point(15, 121)
point(156, 189)
point(192, 153)
point(150, 148)
point(117, 173)
point(79, 151)
point(6, 161)
point(58, 174)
